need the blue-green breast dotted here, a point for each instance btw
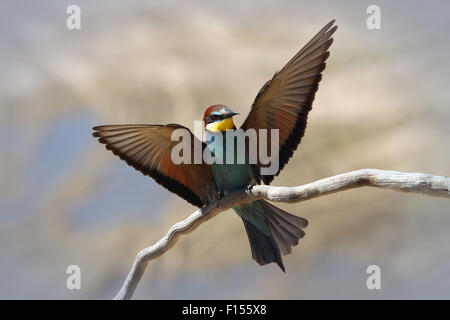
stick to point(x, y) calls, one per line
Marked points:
point(229, 176)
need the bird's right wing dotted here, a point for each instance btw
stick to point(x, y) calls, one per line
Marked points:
point(148, 148)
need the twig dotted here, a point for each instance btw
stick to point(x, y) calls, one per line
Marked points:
point(427, 184)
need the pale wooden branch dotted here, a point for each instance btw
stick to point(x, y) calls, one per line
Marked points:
point(427, 184)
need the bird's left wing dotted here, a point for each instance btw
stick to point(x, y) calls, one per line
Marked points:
point(148, 149)
point(284, 101)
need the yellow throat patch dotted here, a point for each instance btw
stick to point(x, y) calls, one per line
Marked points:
point(221, 126)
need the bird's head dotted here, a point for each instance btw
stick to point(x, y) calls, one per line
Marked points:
point(219, 118)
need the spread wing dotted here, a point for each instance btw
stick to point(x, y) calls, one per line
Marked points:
point(284, 101)
point(148, 149)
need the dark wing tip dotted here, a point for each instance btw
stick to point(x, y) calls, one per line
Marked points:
point(104, 127)
point(99, 129)
point(329, 24)
point(332, 30)
point(96, 130)
point(326, 55)
point(327, 31)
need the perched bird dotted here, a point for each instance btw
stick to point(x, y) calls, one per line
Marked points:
point(282, 103)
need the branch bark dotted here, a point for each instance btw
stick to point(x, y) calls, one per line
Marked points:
point(427, 184)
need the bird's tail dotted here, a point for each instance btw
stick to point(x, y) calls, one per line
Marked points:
point(271, 231)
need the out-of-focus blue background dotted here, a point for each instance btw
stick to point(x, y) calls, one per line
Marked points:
point(383, 103)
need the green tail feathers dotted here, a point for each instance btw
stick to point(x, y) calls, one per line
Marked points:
point(271, 231)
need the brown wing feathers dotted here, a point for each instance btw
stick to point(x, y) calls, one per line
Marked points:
point(148, 148)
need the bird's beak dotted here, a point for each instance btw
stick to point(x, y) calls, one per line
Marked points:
point(231, 114)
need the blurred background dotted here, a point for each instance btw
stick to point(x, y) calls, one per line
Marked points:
point(383, 103)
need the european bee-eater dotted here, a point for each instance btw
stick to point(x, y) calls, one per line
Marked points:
point(283, 103)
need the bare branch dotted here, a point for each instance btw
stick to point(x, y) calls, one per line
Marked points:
point(427, 184)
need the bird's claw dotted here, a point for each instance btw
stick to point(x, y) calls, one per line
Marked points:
point(220, 195)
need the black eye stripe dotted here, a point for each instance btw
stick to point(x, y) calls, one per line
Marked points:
point(210, 120)
point(214, 117)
